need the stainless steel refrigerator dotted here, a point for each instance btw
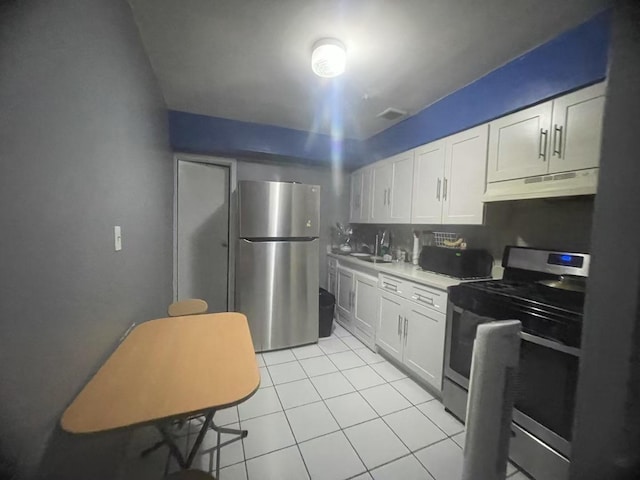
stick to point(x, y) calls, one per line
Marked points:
point(277, 262)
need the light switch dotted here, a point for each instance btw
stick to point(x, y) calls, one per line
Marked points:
point(117, 236)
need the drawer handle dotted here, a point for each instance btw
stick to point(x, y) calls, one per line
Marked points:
point(419, 298)
point(390, 286)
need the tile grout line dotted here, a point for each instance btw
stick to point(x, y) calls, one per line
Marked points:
point(412, 405)
point(340, 428)
point(386, 382)
point(284, 412)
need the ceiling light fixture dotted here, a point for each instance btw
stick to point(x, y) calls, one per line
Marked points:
point(329, 58)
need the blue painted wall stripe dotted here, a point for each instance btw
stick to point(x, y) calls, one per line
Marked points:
point(190, 132)
point(574, 59)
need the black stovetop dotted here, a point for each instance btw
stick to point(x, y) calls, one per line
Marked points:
point(527, 291)
point(544, 311)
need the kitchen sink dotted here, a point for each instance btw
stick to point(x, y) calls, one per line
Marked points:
point(373, 259)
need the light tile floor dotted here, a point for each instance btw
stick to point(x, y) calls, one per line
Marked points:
point(332, 411)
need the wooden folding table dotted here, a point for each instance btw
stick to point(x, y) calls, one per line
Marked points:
point(169, 369)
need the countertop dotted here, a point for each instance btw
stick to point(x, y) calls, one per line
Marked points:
point(409, 271)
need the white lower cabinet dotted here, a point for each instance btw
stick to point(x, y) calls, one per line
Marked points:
point(390, 317)
point(332, 267)
point(365, 308)
point(411, 333)
point(357, 303)
point(344, 291)
point(424, 343)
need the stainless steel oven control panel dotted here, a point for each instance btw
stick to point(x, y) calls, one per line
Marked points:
point(547, 261)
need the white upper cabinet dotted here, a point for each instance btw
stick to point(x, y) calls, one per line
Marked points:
point(444, 182)
point(465, 177)
point(381, 185)
point(392, 183)
point(449, 179)
point(355, 214)
point(360, 196)
point(577, 129)
point(428, 173)
point(556, 136)
point(401, 185)
point(365, 211)
point(519, 144)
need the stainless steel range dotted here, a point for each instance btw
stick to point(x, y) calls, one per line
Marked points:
point(544, 289)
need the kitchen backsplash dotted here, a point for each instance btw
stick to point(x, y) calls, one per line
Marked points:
point(563, 223)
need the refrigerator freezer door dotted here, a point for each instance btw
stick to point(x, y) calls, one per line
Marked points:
point(278, 210)
point(277, 289)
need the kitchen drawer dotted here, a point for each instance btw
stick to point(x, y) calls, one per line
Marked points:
point(420, 294)
point(428, 297)
point(393, 285)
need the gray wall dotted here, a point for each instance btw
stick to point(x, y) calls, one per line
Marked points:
point(606, 439)
point(334, 194)
point(83, 147)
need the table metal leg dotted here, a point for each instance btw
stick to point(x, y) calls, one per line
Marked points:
point(185, 463)
point(232, 431)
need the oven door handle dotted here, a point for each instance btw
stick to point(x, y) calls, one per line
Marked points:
point(543, 342)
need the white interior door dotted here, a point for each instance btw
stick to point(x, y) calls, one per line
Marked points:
point(203, 233)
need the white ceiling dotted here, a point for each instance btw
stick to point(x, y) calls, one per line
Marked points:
point(250, 59)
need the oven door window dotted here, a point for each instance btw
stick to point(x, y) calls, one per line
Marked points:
point(463, 333)
point(547, 386)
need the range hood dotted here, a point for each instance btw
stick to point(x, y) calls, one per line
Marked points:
point(579, 182)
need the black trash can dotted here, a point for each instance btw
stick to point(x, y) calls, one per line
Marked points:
point(327, 302)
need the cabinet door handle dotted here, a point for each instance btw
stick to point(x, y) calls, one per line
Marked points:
point(543, 145)
point(557, 132)
point(384, 202)
point(406, 329)
point(444, 189)
point(389, 197)
point(438, 189)
point(399, 327)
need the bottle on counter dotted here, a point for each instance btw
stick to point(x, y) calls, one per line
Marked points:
point(416, 247)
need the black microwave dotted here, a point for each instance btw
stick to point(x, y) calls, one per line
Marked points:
point(467, 263)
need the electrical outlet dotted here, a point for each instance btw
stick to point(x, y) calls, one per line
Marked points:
point(117, 237)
